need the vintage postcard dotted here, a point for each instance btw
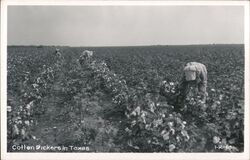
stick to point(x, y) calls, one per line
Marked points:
point(124, 79)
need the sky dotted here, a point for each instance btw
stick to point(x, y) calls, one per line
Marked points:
point(125, 25)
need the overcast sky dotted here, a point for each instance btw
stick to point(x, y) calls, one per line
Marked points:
point(124, 25)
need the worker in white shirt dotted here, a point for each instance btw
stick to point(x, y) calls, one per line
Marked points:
point(194, 74)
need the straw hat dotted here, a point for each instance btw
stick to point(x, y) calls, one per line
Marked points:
point(190, 73)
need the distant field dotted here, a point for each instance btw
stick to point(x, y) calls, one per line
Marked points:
point(114, 103)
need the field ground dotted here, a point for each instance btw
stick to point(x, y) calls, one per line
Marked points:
point(113, 103)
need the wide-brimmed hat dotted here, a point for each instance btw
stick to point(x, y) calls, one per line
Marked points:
point(190, 73)
point(190, 68)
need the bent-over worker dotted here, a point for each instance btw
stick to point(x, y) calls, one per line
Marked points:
point(194, 74)
point(86, 55)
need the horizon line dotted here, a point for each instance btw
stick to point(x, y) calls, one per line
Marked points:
point(146, 45)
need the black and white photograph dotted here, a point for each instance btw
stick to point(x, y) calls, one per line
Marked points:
point(125, 79)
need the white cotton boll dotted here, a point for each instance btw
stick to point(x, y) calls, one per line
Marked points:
point(147, 126)
point(133, 113)
point(138, 110)
point(163, 132)
point(127, 115)
point(201, 102)
point(28, 106)
point(178, 139)
point(152, 107)
point(163, 115)
point(216, 139)
point(9, 108)
point(144, 120)
point(143, 114)
point(170, 124)
point(221, 97)
point(172, 131)
point(165, 136)
point(28, 113)
point(15, 130)
point(183, 126)
point(152, 104)
point(23, 133)
point(127, 130)
point(171, 147)
point(185, 134)
point(152, 110)
point(21, 108)
point(19, 122)
point(214, 106)
point(133, 123)
point(27, 122)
